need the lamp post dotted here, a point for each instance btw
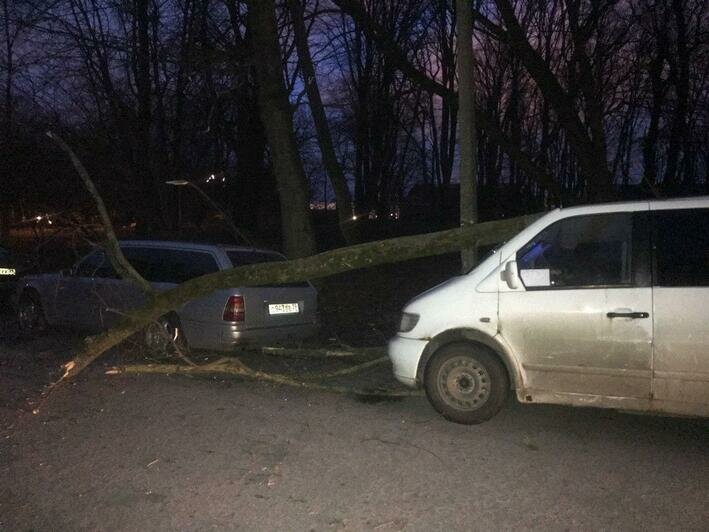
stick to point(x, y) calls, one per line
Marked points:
point(236, 232)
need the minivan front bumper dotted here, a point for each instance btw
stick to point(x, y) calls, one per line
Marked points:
point(405, 354)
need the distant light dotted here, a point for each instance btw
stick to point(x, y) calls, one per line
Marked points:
point(38, 218)
point(49, 221)
point(178, 182)
point(354, 216)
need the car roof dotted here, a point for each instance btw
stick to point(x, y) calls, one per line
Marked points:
point(653, 204)
point(195, 246)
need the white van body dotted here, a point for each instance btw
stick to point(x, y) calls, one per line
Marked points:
point(630, 331)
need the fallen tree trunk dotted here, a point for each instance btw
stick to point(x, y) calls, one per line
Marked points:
point(316, 266)
point(343, 353)
point(225, 366)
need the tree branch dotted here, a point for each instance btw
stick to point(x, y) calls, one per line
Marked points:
point(113, 249)
point(312, 267)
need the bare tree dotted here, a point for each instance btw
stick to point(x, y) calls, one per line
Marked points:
point(333, 168)
point(468, 130)
point(277, 119)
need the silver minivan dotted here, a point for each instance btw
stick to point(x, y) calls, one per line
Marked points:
point(603, 305)
point(91, 296)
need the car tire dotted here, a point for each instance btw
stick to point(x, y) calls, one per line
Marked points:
point(165, 336)
point(466, 383)
point(31, 319)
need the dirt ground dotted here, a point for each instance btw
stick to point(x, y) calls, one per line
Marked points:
point(119, 452)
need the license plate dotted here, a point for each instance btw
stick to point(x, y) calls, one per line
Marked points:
point(283, 308)
point(7, 271)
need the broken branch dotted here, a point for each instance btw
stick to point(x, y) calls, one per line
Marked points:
point(320, 265)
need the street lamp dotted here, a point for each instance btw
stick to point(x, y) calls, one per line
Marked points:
point(236, 232)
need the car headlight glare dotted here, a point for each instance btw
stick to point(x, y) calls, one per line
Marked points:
point(408, 321)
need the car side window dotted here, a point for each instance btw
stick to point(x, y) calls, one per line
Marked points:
point(96, 264)
point(580, 252)
point(160, 265)
point(681, 247)
point(140, 259)
point(178, 266)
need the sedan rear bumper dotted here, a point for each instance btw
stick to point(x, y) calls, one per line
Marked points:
point(227, 337)
point(270, 335)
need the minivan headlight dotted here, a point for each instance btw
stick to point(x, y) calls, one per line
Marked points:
point(408, 321)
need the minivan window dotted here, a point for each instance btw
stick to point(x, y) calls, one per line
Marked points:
point(160, 265)
point(580, 252)
point(682, 247)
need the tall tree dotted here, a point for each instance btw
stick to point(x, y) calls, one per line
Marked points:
point(322, 129)
point(466, 122)
point(277, 118)
point(143, 152)
point(590, 149)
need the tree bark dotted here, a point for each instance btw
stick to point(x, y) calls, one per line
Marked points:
point(143, 143)
point(679, 74)
point(277, 119)
point(322, 129)
point(468, 136)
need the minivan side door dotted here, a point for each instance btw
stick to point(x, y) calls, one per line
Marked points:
point(580, 321)
point(681, 301)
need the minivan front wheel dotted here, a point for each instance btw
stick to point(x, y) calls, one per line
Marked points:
point(466, 383)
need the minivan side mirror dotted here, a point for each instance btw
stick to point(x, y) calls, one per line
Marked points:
point(510, 274)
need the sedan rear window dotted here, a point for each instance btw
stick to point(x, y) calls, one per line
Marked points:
point(245, 258)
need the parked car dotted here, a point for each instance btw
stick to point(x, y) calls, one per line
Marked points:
point(602, 305)
point(91, 296)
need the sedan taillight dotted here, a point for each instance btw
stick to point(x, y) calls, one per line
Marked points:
point(234, 309)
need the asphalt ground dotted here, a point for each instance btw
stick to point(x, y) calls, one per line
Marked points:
point(139, 452)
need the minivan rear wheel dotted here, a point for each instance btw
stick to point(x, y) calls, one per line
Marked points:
point(466, 383)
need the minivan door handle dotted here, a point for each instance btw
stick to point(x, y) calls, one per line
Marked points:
point(631, 315)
